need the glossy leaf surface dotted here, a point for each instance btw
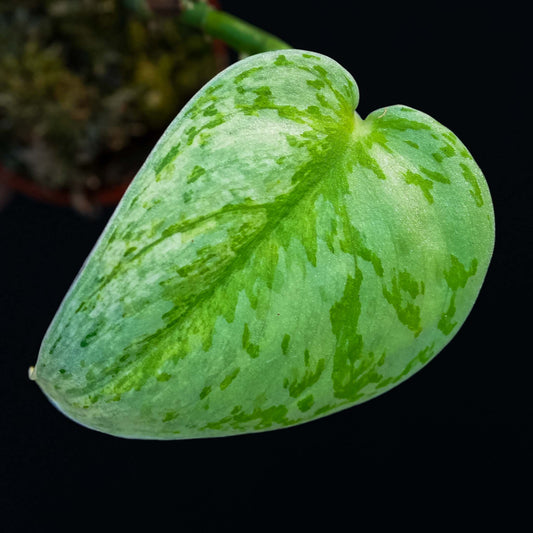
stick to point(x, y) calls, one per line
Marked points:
point(276, 259)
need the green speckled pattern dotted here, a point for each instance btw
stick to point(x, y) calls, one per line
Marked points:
point(276, 259)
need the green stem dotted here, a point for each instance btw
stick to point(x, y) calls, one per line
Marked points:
point(234, 32)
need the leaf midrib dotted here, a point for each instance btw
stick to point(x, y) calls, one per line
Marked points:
point(285, 204)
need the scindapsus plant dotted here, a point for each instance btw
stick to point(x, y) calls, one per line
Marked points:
point(276, 259)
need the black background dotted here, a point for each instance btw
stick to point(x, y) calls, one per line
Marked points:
point(458, 429)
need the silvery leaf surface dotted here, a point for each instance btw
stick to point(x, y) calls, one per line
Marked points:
point(276, 259)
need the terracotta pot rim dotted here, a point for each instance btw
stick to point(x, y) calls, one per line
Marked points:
point(104, 196)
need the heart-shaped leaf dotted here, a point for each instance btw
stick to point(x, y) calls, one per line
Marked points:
point(276, 259)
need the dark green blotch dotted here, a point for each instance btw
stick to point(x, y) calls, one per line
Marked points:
point(251, 349)
point(400, 123)
point(306, 403)
point(210, 111)
point(412, 144)
point(457, 276)
point(365, 160)
point(86, 340)
point(229, 378)
point(366, 253)
point(323, 409)
point(264, 97)
point(411, 178)
point(475, 191)
point(446, 324)
point(321, 70)
point(448, 151)
point(170, 415)
point(215, 122)
point(243, 75)
point(344, 316)
point(282, 61)
point(276, 414)
point(421, 358)
point(285, 343)
point(407, 312)
point(205, 392)
point(310, 378)
point(169, 157)
point(434, 175)
point(197, 171)
point(316, 84)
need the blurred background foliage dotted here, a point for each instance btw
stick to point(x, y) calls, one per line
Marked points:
point(87, 86)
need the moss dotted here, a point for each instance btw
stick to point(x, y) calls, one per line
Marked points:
point(87, 87)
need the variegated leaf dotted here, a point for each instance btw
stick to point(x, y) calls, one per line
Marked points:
point(276, 259)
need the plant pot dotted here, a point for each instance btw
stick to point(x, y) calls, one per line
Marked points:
point(95, 191)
